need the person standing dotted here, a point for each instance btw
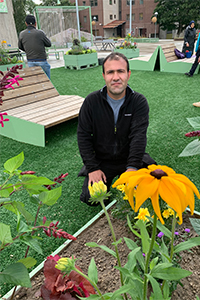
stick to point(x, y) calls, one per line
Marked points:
point(112, 127)
point(33, 41)
point(197, 59)
point(189, 38)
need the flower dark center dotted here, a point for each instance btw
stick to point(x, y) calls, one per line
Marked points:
point(158, 173)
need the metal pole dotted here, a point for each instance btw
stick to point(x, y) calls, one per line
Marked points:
point(78, 24)
point(130, 19)
point(155, 30)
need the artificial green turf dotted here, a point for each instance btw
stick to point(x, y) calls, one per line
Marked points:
point(170, 97)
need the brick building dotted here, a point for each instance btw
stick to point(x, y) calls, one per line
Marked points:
point(112, 17)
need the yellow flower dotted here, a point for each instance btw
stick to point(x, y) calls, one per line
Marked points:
point(3, 42)
point(166, 214)
point(65, 264)
point(143, 212)
point(121, 187)
point(97, 188)
point(175, 189)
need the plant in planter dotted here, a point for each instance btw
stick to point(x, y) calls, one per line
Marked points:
point(5, 59)
point(128, 47)
point(79, 57)
point(151, 265)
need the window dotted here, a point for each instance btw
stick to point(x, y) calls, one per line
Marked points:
point(141, 16)
point(111, 17)
point(95, 18)
point(114, 1)
point(128, 2)
point(85, 19)
point(114, 16)
point(84, 3)
point(128, 17)
point(141, 2)
point(93, 2)
point(110, 2)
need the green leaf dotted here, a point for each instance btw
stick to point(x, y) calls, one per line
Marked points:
point(32, 242)
point(129, 274)
point(131, 263)
point(5, 234)
point(28, 262)
point(35, 180)
point(50, 197)
point(144, 235)
point(92, 271)
point(16, 274)
point(132, 245)
point(194, 122)
point(23, 227)
point(117, 242)
point(24, 212)
point(192, 148)
point(123, 289)
point(195, 224)
point(13, 163)
point(105, 248)
point(187, 245)
point(156, 288)
point(4, 194)
point(131, 228)
point(166, 272)
point(153, 263)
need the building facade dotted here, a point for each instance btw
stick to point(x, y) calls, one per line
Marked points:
point(111, 18)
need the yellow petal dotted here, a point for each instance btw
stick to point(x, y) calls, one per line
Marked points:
point(145, 190)
point(188, 182)
point(156, 206)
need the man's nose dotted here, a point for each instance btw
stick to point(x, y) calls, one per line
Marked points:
point(115, 76)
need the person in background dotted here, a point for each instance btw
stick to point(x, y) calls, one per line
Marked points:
point(197, 59)
point(189, 38)
point(33, 41)
point(112, 127)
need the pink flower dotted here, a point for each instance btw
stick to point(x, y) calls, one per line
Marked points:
point(13, 81)
point(2, 119)
point(55, 257)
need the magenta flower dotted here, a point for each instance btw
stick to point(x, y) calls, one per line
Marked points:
point(187, 230)
point(2, 119)
point(193, 133)
point(13, 81)
point(160, 234)
point(176, 233)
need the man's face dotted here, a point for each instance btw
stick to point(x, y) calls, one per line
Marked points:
point(116, 78)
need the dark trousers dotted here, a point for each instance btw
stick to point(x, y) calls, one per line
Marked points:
point(195, 64)
point(111, 170)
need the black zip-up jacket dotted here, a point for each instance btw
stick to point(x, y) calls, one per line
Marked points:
point(98, 137)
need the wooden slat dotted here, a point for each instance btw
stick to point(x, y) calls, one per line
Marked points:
point(168, 51)
point(44, 107)
point(17, 102)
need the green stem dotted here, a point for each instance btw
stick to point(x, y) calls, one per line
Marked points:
point(172, 244)
point(92, 282)
point(114, 239)
point(153, 237)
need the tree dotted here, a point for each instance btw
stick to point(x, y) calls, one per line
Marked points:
point(177, 14)
point(21, 9)
point(56, 2)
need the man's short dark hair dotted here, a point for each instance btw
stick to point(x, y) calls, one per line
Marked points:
point(115, 56)
point(30, 20)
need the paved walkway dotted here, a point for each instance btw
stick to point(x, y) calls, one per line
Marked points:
point(145, 49)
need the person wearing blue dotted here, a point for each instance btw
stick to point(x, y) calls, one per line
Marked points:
point(189, 38)
point(197, 59)
point(33, 41)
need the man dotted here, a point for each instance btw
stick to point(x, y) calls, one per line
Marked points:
point(197, 59)
point(112, 127)
point(33, 42)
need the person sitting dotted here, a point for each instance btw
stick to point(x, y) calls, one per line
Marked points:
point(112, 127)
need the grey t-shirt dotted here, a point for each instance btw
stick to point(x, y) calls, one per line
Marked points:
point(115, 104)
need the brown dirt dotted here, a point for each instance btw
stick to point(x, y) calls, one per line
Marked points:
point(109, 280)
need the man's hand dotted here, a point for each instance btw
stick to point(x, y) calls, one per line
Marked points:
point(199, 59)
point(96, 176)
point(187, 45)
point(130, 170)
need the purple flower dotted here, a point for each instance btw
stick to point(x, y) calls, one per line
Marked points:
point(187, 230)
point(143, 254)
point(160, 234)
point(176, 233)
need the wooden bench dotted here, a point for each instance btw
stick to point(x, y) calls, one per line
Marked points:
point(169, 62)
point(34, 106)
